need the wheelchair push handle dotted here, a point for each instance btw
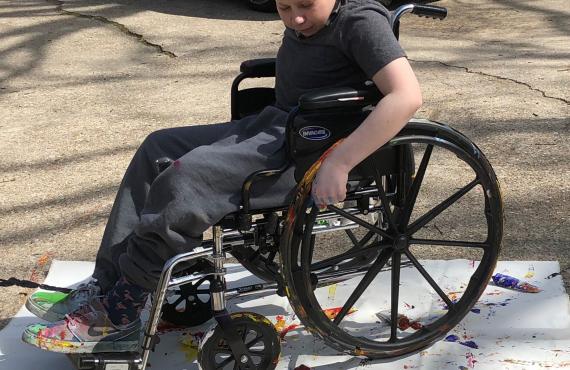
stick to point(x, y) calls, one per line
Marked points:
point(264, 67)
point(429, 11)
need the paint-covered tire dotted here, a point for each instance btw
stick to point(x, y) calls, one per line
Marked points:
point(257, 332)
point(438, 247)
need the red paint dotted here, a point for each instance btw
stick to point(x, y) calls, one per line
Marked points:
point(404, 323)
point(287, 330)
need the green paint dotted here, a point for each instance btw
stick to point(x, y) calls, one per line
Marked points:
point(35, 328)
point(50, 298)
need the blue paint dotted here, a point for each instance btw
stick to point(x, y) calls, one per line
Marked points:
point(451, 338)
point(470, 344)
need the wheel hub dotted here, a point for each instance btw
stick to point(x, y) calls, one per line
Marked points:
point(401, 242)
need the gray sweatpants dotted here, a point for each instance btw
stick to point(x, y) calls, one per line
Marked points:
point(156, 216)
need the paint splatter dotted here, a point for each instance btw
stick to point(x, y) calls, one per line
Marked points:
point(404, 323)
point(455, 339)
point(332, 292)
point(470, 360)
point(285, 331)
point(302, 367)
point(409, 306)
point(280, 324)
point(331, 313)
point(189, 345)
point(451, 338)
point(41, 263)
point(553, 275)
point(167, 327)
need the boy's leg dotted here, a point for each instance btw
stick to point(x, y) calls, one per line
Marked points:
point(198, 190)
point(172, 143)
point(133, 191)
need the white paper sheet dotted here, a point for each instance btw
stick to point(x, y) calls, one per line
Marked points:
point(512, 330)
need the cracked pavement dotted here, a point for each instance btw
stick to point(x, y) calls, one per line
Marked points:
point(82, 82)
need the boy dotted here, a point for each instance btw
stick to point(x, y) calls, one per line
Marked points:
point(327, 43)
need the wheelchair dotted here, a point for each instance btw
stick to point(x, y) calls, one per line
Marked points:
point(396, 215)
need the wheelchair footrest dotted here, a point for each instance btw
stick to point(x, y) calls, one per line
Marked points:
point(107, 361)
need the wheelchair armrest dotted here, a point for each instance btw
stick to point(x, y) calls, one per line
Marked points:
point(258, 67)
point(339, 97)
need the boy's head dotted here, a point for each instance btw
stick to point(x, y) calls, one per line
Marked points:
point(305, 16)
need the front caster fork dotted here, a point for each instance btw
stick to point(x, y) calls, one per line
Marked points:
point(221, 314)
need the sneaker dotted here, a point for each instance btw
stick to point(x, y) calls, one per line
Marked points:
point(87, 330)
point(53, 306)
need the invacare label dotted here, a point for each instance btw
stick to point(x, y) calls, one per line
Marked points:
point(315, 133)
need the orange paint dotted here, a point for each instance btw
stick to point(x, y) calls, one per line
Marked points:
point(331, 313)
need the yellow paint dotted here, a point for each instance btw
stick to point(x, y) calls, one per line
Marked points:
point(332, 292)
point(529, 274)
point(189, 346)
point(280, 324)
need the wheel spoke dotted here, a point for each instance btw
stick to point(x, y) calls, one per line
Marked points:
point(223, 364)
point(415, 188)
point(351, 253)
point(360, 222)
point(352, 238)
point(395, 293)
point(434, 212)
point(179, 300)
point(429, 279)
point(450, 243)
point(254, 340)
point(384, 200)
point(364, 283)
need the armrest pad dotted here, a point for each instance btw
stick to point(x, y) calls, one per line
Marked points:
point(258, 67)
point(339, 97)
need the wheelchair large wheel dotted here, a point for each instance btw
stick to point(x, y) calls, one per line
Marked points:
point(435, 253)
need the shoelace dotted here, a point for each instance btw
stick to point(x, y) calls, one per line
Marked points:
point(83, 314)
point(85, 290)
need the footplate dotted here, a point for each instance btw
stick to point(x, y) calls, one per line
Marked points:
point(107, 361)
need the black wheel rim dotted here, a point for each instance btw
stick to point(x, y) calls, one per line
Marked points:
point(189, 304)
point(402, 240)
point(260, 339)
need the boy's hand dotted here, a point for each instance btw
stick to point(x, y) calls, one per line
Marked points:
point(329, 186)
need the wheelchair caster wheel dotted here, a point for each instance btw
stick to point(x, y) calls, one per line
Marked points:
point(189, 304)
point(258, 334)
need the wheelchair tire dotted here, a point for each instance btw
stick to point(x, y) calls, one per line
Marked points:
point(433, 217)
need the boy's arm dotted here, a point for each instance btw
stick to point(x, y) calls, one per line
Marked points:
point(402, 98)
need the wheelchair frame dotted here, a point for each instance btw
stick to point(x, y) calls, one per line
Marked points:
point(290, 279)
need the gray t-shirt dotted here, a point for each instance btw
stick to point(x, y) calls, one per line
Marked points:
point(356, 44)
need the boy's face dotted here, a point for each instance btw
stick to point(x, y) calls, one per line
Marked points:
point(305, 16)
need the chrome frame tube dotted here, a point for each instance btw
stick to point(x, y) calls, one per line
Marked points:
point(399, 12)
point(160, 294)
point(218, 297)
